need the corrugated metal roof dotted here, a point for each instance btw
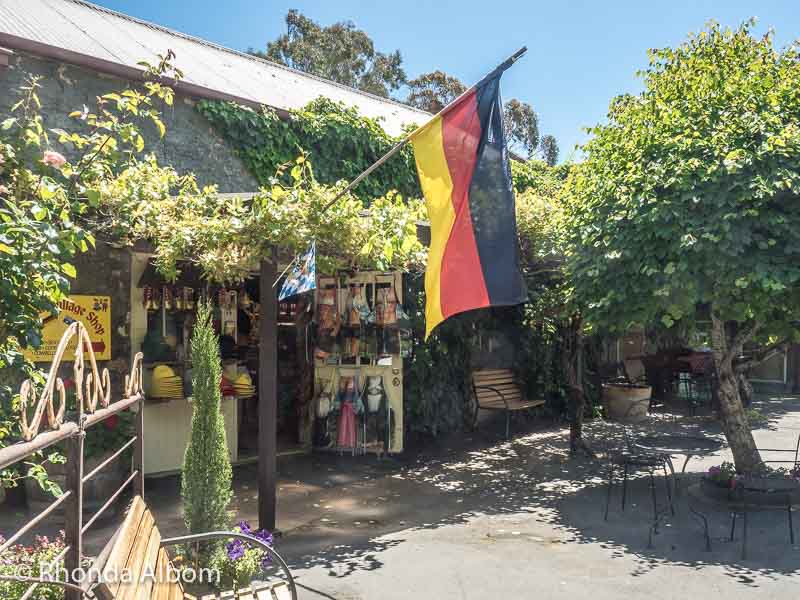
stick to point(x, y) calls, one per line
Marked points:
point(96, 32)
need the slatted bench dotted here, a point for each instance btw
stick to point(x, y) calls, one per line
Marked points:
point(498, 389)
point(138, 549)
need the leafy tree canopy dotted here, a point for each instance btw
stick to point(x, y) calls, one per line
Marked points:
point(521, 124)
point(433, 91)
point(689, 195)
point(688, 199)
point(548, 148)
point(340, 52)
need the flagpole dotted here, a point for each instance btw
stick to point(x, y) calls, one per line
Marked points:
point(499, 69)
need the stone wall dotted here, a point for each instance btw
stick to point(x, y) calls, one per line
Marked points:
point(190, 144)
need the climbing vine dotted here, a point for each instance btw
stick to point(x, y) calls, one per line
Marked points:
point(338, 141)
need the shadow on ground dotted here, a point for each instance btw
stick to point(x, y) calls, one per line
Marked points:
point(533, 475)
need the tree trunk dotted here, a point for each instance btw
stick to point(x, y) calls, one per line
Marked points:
point(576, 398)
point(745, 389)
point(734, 419)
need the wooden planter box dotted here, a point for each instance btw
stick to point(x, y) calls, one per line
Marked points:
point(627, 402)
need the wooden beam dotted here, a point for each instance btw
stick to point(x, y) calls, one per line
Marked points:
point(268, 395)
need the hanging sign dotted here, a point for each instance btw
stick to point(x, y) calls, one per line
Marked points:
point(93, 311)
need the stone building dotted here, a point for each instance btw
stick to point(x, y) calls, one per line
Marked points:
point(80, 51)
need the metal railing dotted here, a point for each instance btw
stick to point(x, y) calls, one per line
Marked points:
point(94, 405)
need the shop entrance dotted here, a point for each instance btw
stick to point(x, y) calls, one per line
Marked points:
point(162, 321)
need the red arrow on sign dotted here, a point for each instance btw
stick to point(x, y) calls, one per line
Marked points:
point(99, 347)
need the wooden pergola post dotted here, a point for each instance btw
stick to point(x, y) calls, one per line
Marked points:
point(268, 394)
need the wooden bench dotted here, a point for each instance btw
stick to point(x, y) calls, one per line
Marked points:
point(498, 389)
point(137, 548)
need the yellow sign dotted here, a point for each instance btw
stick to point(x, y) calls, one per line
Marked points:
point(93, 311)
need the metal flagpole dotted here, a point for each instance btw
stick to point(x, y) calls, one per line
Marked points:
point(499, 69)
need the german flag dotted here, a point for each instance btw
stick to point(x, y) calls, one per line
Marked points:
point(462, 160)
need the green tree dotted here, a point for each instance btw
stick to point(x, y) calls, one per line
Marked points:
point(340, 52)
point(687, 200)
point(521, 125)
point(433, 91)
point(548, 148)
point(554, 315)
point(206, 477)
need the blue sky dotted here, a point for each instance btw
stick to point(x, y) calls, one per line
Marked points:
point(580, 53)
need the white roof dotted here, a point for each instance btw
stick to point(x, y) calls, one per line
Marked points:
point(86, 30)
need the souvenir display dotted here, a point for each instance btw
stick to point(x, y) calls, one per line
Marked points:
point(165, 383)
point(358, 310)
point(226, 388)
point(386, 306)
point(324, 400)
point(166, 298)
point(243, 385)
point(374, 393)
point(151, 298)
point(347, 433)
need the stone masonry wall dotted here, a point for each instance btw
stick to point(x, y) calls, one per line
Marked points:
point(190, 144)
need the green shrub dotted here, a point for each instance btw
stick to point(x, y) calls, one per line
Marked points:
point(206, 481)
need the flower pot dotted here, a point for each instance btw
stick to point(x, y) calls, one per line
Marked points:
point(626, 402)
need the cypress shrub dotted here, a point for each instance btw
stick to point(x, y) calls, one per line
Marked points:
point(206, 481)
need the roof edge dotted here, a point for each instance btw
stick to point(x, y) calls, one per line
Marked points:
point(247, 56)
point(123, 71)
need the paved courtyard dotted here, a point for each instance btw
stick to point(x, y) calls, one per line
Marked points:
point(478, 517)
point(523, 520)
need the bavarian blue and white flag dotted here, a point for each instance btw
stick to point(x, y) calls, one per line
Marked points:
point(303, 277)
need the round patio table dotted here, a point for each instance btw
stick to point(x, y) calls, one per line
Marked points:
point(676, 443)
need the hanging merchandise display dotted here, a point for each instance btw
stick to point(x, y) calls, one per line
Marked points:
point(375, 393)
point(328, 319)
point(360, 331)
point(348, 404)
point(386, 306)
point(325, 399)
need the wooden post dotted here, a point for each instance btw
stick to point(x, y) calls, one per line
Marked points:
point(268, 395)
point(73, 509)
point(138, 452)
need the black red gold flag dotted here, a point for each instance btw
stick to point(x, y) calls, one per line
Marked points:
point(463, 164)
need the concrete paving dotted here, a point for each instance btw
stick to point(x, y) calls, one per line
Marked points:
point(523, 520)
point(477, 517)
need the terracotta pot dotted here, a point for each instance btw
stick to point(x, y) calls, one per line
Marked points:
point(626, 402)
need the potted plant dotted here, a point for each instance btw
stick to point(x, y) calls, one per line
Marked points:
point(242, 562)
point(626, 401)
point(768, 487)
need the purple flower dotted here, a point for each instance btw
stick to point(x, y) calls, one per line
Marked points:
point(235, 550)
point(245, 528)
point(714, 471)
point(264, 535)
